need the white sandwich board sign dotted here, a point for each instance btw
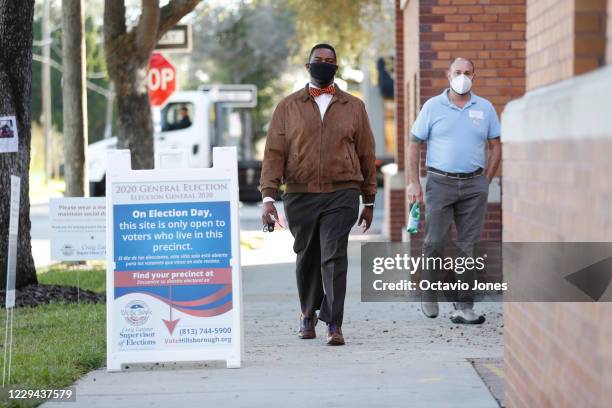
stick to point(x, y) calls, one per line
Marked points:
point(173, 262)
point(77, 228)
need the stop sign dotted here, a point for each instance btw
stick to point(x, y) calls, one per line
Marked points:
point(161, 79)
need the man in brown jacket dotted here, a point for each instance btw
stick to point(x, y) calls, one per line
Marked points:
point(320, 145)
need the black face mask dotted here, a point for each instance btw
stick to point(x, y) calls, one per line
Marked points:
point(322, 71)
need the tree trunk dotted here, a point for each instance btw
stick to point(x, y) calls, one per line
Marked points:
point(128, 70)
point(127, 59)
point(16, 18)
point(74, 98)
point(135, 125)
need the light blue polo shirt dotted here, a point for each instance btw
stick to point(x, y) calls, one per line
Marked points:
point(456, 137)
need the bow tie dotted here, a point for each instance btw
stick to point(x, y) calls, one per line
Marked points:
point(314, 92)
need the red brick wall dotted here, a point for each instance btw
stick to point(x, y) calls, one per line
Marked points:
point(555, 357)
point(411, 67)
point(557, 188)
point(394, 203)
point(549, 41)
point(565, 38)
point(609, 35)
point(399, 85)
point(395, 212)
point(558, 354)
point(590, 35)
point(489, 32)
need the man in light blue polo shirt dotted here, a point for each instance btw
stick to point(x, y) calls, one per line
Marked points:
point(458, 127)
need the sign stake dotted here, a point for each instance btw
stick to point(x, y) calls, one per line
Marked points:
point(11, 270)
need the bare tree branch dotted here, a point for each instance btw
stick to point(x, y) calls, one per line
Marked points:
point(146, 31)
point(127, 58)
point(114, 19)
point(172, 13)
point(107, 93)
point(117, 40)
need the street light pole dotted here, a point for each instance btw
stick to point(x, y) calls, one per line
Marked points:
point(74, 98)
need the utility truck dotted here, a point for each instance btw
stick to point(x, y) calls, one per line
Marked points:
point(195, 122)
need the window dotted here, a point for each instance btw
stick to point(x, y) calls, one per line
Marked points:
point(176, 116)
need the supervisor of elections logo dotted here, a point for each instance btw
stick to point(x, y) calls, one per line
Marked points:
point(136, 312)
point(67, 250)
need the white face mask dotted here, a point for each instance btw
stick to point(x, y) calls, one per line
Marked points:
point(461, 84)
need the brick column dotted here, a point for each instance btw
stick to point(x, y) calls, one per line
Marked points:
point(564, 38)
point(399, 85)
point(552, 168)
point(394, 191)
point(559, 354)
point(609, 49)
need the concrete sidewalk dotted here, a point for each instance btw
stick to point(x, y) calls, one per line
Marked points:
point(394, 357)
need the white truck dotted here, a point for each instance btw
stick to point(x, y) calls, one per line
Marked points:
point(195, 122)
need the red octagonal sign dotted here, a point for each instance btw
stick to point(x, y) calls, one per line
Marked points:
point(161, 79)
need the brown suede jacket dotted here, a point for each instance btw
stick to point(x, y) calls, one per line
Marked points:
point(310, 155)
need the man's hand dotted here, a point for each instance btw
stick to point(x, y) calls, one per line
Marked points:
point(494, 160)
point(415, 193)
point(267, 210)
point(365, 219)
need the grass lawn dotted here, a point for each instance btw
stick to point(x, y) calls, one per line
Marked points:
point(55, 344)
point(92, 279)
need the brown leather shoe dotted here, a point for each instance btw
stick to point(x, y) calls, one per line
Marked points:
point(334, 335)
point(307, 327)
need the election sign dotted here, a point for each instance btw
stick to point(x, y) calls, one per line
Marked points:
point(78, 228)
point(173, 270)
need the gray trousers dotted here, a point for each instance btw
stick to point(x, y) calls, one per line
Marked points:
point(463, 202)
point(320, 224)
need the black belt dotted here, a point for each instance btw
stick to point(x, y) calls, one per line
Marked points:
point(460, 176)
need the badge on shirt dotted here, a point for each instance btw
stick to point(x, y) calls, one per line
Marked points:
point(476, 116)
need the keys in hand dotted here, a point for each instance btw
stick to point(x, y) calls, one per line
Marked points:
point(269, 227)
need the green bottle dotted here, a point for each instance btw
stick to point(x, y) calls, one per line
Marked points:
point(413, 220)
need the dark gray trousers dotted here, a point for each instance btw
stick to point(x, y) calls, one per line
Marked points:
point(463, 202)
point(320, 224)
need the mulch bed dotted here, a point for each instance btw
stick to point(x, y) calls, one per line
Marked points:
point(36, 295)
